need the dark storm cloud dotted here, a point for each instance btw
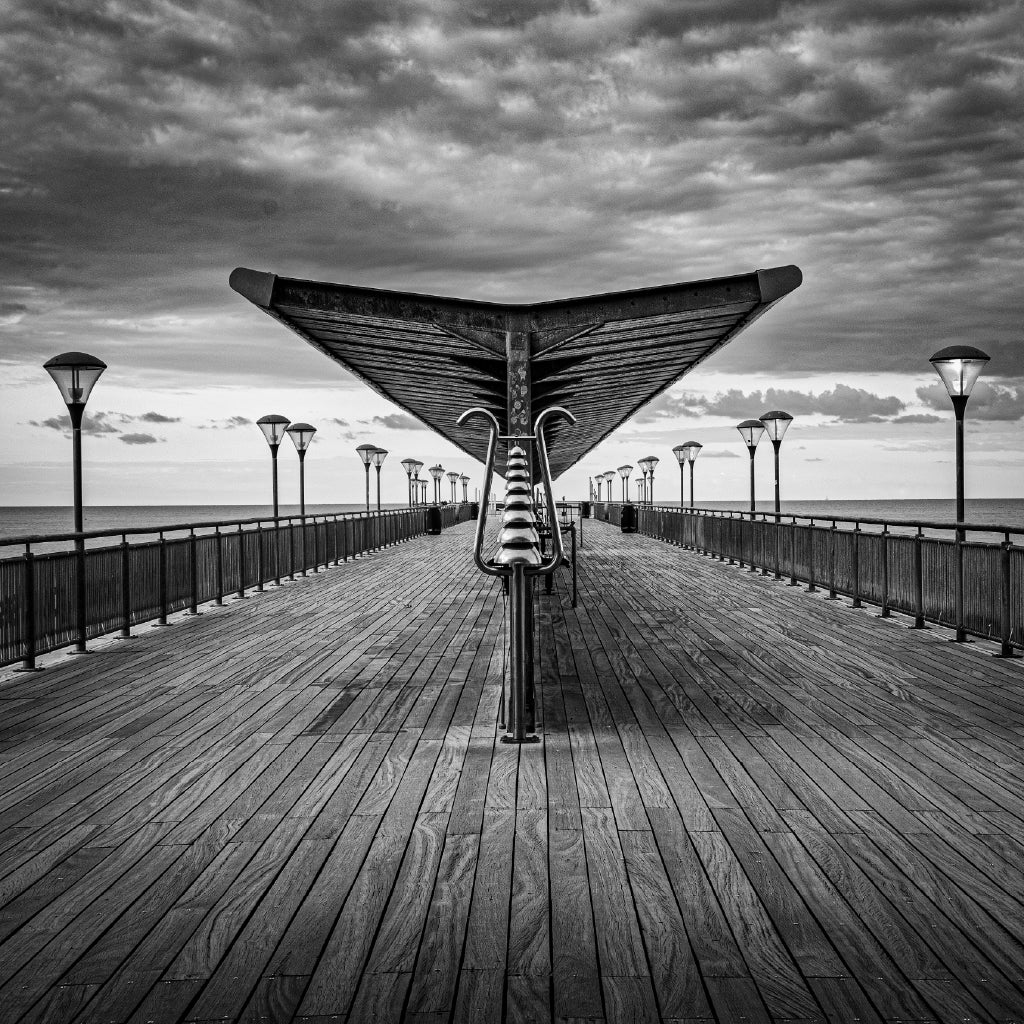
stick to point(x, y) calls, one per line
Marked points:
point(511, 150)
point(844, 403)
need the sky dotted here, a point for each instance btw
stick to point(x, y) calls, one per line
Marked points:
point(510, 150)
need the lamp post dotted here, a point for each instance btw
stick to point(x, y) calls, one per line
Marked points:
point(624, 472)
point(437, 472)
point(417, 484)
point(686, 452)
point(652, 461)
point(751, 431)
point(301, 435)
point(452, 477)
point(641, 484)
point(75, 373)
point(959, 366)
point(608, 478)
point(365, 452)
point(408, 465)
point(776, 423)
point(423, 492)
point(273, 427)
point(599, 479)
point(464, 480)
point(378, 457)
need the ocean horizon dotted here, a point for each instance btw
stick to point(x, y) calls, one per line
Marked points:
point(43, 520)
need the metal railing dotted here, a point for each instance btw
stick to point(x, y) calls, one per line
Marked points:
point(894, 564)
point(148, 573)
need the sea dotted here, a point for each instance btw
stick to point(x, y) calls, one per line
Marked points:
point(999, 514)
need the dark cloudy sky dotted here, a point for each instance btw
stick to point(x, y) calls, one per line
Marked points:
point(508, 150)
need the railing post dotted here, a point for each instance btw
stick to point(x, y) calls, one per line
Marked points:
point(316, 548)
point(1006, 645)
point(126, 588)
point(764, 553)
point(241, 563)
point(291, 550)
point(958, 583)
point(81, 627)
point(277, 552)
point(918, 581)
point(193, 568)
point(778, 547)
point(28, 663)
point(811, 588)
point(753, 567)
point(219, 600)
point(792, 554)
point(302, 527)
point(884, 614)
point(162, 552)
point(856, 566)
point(832, 563)
point(259, 558)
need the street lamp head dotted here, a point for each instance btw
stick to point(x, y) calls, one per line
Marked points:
point(379, 455)
point(273, 427)
point(692, 450)
point(776, 423)
point(464, 478)
point(409, 465)
point(452, 476)
point(437, 471)
point(750, 431)
point(624, 471)
point(74, 373)
point(609, 476)
point(301, 434)
point(365, 452)
point(959, 366)
point(680, 453)
point(652, 461)
point(644, 464)
point(416, 467)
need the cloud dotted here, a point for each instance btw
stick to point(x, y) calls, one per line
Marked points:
point(138, 439)
point(158, 417)
point(718, 453)
point(844, 403)
point(918, 417)
point(397, 421)
point(338, 421)
point(987, 401)
point(96, 424)
point(227, 424)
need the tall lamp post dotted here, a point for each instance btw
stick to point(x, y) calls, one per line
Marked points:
point(273, 427)
point(301, 435)
point(378, 457)
point(599, 479)
point(437, 472)
point(452, 478)
point(680, 453)
point(408, 465)
point(624, 472)
point(417, 483)
point(776, 423)
point(751, 431)
point(959, 366)
point(365, 452)
point(464, 480)
point(423, 492)
point(641, 484)
point(608, 478)
point(75, 373)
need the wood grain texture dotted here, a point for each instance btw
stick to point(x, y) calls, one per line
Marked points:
point(748, 803)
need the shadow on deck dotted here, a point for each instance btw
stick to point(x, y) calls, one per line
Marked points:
point(749, 804)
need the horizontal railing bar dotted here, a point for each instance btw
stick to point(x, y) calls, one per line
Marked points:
point(794, 516)
point(51, 538)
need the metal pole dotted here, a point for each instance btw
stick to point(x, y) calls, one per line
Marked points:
point(378, 488)
point(76, 412)
point(691, 485)
point(302, 485)
point(126, 589)
point(776, 444)
point(959, 405)
point(273, 470)
point(751, 449)
point(29, 662)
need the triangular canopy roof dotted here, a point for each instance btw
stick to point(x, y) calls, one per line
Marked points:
point(602, 356)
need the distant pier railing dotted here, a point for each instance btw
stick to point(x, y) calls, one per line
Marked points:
point(147, 573)
point(908, 567)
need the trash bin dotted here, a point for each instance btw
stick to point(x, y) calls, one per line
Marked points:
point(474, 510)
point(584, 509)
point(628, 521)
point(434, 520)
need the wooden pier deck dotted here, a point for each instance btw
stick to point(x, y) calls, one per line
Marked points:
point(749, 804)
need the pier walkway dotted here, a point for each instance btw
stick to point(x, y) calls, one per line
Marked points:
point(749, 804)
